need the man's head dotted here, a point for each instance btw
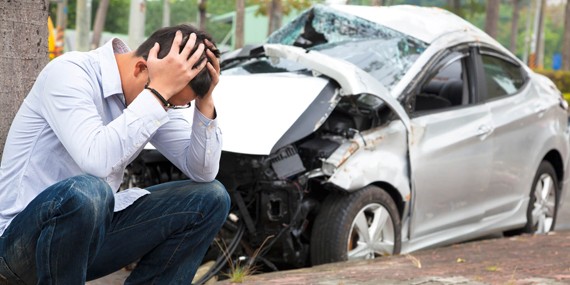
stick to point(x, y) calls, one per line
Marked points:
point(201, 83)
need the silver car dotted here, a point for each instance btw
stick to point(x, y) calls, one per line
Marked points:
point(357, 132)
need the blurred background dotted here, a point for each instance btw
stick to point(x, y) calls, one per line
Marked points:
point(531, 29)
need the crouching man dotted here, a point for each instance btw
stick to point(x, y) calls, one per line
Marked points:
point(88, 115)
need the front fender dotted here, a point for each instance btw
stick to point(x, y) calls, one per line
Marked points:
point(376, 155)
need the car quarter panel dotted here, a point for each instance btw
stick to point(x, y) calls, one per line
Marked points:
point(525, 129)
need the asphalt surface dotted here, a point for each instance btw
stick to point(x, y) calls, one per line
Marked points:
point(519, 260)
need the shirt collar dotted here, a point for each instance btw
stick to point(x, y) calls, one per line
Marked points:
point(110, 76)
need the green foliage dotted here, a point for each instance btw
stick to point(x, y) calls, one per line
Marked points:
point(560, 78)
point(288, 5)
point(117, 20)
point(181, 12)
point(186, 11)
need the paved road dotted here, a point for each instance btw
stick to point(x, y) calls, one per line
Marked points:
point(519, 260)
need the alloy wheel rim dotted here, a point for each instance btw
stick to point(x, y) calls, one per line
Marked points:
point(371, 233)
point(544, 204)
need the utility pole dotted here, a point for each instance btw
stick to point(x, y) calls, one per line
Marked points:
point(540, 37)
point(527, 38)
point(136, 23)
point(82, 24)
point(535, 44)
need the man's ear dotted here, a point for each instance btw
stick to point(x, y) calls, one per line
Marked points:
point(140, 68)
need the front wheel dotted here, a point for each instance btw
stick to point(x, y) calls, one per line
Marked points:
point(543, 204)
point(361, 225)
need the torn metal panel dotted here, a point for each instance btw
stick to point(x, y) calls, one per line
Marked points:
point(379, 154)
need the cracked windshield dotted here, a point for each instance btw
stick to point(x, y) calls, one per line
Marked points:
point(384, 53)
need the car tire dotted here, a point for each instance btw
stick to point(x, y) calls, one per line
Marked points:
point(543, 202)
point(337, 237)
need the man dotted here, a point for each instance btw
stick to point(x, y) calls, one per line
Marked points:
point(86, 118)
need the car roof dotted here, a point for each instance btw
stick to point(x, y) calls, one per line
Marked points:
point(424, 23)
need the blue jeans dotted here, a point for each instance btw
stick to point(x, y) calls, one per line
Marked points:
point(69, 234)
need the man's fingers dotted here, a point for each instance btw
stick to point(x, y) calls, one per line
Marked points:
point(214, 74)
point(175, 48)
point(210, 45)
point(153, 52)
point(214, 60)
point(185, 53)
point(198, 68)
point(196, 55)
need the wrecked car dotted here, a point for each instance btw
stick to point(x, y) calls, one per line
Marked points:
point(356, 132)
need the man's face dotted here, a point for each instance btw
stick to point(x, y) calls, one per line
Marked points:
point(183, 97)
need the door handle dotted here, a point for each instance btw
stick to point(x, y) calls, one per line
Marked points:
point(484, 131)
point(539, 109)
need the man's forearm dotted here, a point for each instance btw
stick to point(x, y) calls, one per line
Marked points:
point(206, 106)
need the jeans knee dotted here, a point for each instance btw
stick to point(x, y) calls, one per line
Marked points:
point(89, 195)
point(220, 196)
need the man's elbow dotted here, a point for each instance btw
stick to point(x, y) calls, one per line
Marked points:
point(201, 175)
point(96, 169)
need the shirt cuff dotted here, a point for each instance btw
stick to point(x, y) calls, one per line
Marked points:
point(205, 121)
point(146, 105)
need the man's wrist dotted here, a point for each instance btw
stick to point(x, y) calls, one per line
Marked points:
point(157, 94)
point(206, 106)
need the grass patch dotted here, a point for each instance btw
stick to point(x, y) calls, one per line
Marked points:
point(238, 271)
point(566, 97)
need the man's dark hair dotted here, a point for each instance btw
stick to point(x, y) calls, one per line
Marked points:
point(201, 83)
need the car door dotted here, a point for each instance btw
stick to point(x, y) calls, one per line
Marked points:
point(518, 115)
point(450, 149)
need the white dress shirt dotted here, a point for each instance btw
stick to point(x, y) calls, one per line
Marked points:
point(74, 121)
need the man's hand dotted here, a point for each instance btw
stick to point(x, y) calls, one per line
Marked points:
point(173, 72)
point(206, 104)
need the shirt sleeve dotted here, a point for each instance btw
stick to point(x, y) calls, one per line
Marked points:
point(195, 148)
point(69, 108)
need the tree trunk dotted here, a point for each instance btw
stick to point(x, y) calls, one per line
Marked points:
point(24, 51)
point(82, 24)
point(566, 40)
point(455, 7)
point(238, 36)
point(202, 9)
point(99, 23)
point(492, 17)
point(275, 14)
point(515, 26)
point(376, 3)
point(165, 13)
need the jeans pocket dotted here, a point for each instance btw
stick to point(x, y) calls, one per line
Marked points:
point(7, 276)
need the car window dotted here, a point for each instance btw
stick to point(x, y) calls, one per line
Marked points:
point(446, 88)
point(502, 77)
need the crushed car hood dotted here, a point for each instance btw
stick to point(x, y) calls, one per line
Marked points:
point(260, 113)
point(254, 111)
